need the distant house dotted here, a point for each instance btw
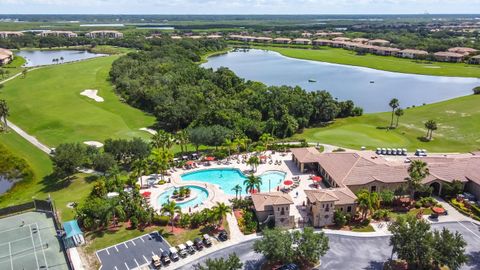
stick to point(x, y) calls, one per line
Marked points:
point(463, 50)
point(360, 40)
point(9, 34)
point(176, 37)
point(322, 204)
point(307, 34)
point(475, 60)
point(274, 206)
point(448, 56)
point(379, 42)
point(322, 42)
point(263, 39)
point(282, 40)
point(413, 54)
point(302, 41)
point(341, 39)
point(6, 56)
point(385, 51)
point(214, 37)
point(338, 44)
point(67, 34)
point(105, 34)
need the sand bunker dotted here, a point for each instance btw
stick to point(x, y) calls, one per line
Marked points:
point(90, 93)
point(94, 143)
point(149, 130)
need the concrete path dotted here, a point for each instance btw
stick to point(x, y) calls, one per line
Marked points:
point(235, 234)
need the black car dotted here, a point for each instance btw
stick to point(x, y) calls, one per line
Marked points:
point(165, 257)
point(206, 240)
point(197, 242)
point(223, 236)
point(290, 266)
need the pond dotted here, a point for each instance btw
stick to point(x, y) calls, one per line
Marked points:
point(5, 184)
point(44, 57)
point(369, 88)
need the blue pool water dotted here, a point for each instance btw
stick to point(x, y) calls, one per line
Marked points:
point(228, 178)
point(199, 193)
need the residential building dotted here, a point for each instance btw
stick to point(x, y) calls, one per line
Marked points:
point(448, 56)
point(385, 51)
point(282, 40)
point(360, 40)
point(302, 41)
point(322, 42)
point(322, 204)
point(67, 34)
point(263, 39)
point(379, 42)
point(176, 37)
point(463, 50)
point(274, 206)
point(9, 34)
point(214, 37)
point(6, 56)
point(412, 53)
point(341, 39)
point(475, 60)
point(105, 34)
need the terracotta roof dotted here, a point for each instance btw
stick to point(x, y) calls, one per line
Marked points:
point(448, 54)
point(462, 50)
point(341, 39)
point(301, 40)
point(306, 155)
point(6, 52)
point(261, 200)
point(339, 195)
point(413, 51)
point(380, 41)
point(360, 40)
point(282, 39)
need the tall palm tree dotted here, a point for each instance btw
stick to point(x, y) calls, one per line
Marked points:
point(182, 140)
point(252, 182)
point(398, 113)
point(162, 139)
point(139, 169)
point(364, 203)
point(238, 142)
point(171, 208)
point(393, 104)
point(162, 160)
point(115, 210)
point(431, 125)
point(220, 212)
point(266, 138)
point(253, 161)
point(4, 113)
point(61, 58)
point(238, 190)
point(417, 171)
point(228, 144)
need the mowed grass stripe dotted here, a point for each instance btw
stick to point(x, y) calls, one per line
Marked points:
point(47, 104)
point(458, 128)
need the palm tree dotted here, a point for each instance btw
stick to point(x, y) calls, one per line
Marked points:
point(161, 139)
point(253, 161)
point(398, 113)
point(238, 142)
point(171, 208)
point(220, 212)
point(393, 104)
point(228, 144)
point(238, 190)
point(139, 168)
point(182, 140)
point(61, 58)
point(252, 182)
point(162, 160)
point(4, 113)
point(266, 138)
point(364, 203)
point(431, 125)
point(114, 210)
point(417, 171)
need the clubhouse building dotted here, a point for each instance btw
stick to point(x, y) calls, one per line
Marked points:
point(6, 56)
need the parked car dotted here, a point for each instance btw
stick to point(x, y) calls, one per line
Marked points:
point(290, 266)
point(190, 247)
point(197, 242)
point(394, 151)
point(389, 151)
point(165, 258)
point(156, 262)
point(182, 250)
point(384, 151)
point(379, 151)
point(223, 236)
point(174, 254)
point(206, 240)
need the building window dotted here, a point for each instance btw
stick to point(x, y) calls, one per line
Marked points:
point(282, 212)
point(373, 189)
point(327, 209)
point(341, 209)
point(349, 209)
point(326, 216)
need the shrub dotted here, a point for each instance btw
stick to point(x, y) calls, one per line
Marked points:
point(220, 154)
point(340, 218)
point(184, 221)
point(380, 214)
point(418, 204)
point(427, 202)
point(365, 222)
point(161, 220)
point(133, 222)
point(162, 182)
point(476, 90)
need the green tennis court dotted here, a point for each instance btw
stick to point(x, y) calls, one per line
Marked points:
point(28, 241)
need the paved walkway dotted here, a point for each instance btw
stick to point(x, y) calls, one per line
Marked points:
point(235, 234)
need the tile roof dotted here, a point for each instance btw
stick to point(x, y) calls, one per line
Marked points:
point(338, 195)
point(261, 200)
point(306, 155)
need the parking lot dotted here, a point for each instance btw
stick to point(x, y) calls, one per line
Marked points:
point(132, 253)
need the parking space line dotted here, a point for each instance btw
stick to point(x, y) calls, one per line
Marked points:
point(469, 230)
point(116, 249)
point(108, 252)
point(125, 244)
point(141, 238)
point(133, 243)
point(138, 265)
point(153, 254)
point(116, 267)
point(126, 265)
point(145, 258)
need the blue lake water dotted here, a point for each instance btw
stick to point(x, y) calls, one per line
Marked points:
point(43, 57)
point(342, 81)
point(228, 178)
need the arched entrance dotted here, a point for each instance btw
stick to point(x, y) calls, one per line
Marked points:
point(436, 188)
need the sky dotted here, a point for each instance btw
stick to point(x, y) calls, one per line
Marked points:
point(239, 6)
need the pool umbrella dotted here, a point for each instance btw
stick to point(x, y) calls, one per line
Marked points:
point(317, 178)
point(288, 182)
point(210, 158)
point(146, 194)
point(190, 162)
point(438, 210)
point(253, 191)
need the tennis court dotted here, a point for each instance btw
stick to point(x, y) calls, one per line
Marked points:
point(28, 241)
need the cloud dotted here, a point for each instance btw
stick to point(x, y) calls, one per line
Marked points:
point(239, 6)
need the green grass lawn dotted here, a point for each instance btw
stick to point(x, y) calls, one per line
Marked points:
point(412, 212)
point(388, 63)
point(48, 105)
point(360, 228)
point(458, 126)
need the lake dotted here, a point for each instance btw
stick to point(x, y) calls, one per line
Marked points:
point(5, 184)
point(44, 57)
point(369, 88)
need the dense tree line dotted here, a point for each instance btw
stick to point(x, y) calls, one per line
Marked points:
point(167, 82)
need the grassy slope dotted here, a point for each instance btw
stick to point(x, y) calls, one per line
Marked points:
point(388, 63)
point(47, 104)
point(458, 128)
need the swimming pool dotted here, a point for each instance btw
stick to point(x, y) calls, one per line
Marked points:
point(198, 195)
point(228, 178)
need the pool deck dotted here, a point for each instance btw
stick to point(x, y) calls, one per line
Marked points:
point(216, 194)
